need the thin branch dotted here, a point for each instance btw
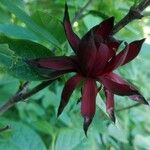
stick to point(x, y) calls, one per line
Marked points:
point(128, 107)
point(80, 12)
point(131, 106)
point(24, 94)
point(135, 12)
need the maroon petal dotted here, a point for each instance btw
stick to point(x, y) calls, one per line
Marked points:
point(125, 56)
point(71, 36)
point(102, 57)
point(110, 104)
point(117, 85)
point(112, 43)
point(105, 27)
point(86, 124)
point(113, 46)
point(117, 60)
point(88, 104)
point(70, 85)
point(134, 49)
point(56, 63)
point(139, 98)
point(87, 52)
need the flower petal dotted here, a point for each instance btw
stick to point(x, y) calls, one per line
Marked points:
point(88, 104)
point(86, 124)
point(134, 49)
point(117, 60)
point(112, 43)
point(115, 84)
point(71, 36)
point(139, 98)
point(56, 63)
point(102, 57)
point(69, 87)
point(104, 28)
point(87, 52)
point(125, 56)
point(110, 104)
point(113, 47)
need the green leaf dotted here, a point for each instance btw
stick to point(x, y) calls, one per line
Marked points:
point(25, 48)
point(15, 66)
point(69, 139)
point(11, 7)
point(89, 24)
point(44, 127)
point(22, 138)
point(12, 55)
point(100, 103)
point(8, 86)
point(138, 139)
point(18, 32)
point(51, 24)
point(117, 132)
point(4, 16)
point(7, 145)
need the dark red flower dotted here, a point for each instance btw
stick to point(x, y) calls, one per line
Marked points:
point(95, 59)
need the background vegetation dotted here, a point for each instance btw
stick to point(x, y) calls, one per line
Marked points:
point(33, 124)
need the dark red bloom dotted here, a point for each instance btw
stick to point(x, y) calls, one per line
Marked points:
point(95, 59)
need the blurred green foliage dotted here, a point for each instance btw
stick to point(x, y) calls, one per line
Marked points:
point(32, 29)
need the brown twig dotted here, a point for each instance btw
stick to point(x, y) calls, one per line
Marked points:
point(135, 12)
point(80, 12)
point(23, 94)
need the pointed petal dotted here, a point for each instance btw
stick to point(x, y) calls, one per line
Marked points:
point(113, 44)
point(87, 122)
point(87, 52)
point(110, 104)
point(70, 85)
point(134, 49)
point(117, 60)
point(56, 63)
point(105, 27)
point(88, 104)
point(113, 47)
point(139, 98)
point(102, 57)
point(115, 84)
point(125, 56)
point(71, 36)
